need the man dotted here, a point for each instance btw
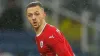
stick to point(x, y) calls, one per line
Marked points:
point(49, 39)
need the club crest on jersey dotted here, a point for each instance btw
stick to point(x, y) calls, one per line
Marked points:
point(41, 44)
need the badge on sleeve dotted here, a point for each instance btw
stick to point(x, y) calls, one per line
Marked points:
point(41, 44)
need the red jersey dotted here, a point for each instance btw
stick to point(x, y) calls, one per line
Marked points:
point(51, 42)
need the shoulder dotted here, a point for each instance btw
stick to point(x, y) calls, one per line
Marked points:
point(52, 28)
point(54, 35)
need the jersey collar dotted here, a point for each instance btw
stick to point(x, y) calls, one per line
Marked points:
point(41, 30)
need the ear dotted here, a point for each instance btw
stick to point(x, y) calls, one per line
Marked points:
point(44, 13)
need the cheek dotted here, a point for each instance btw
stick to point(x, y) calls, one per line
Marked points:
point(40, 18)
point(29, 20)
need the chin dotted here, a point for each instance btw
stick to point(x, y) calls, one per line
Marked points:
point(35, 26)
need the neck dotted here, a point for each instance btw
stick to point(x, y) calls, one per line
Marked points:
point(40, 28)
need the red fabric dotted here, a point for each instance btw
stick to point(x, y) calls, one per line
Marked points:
point(51, 42)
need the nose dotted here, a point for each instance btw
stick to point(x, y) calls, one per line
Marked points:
point(33, 17)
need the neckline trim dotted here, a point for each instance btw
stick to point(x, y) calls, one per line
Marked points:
point(41, 30)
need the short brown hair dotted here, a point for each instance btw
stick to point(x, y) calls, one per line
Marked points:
point(33, 4)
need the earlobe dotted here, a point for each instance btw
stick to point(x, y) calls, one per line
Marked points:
point(44, 14)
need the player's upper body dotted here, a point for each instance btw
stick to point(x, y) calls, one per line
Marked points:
point(50, 40)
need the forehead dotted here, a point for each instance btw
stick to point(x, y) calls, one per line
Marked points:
point(34, 9)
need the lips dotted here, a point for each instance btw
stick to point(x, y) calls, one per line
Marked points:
point(34, 23)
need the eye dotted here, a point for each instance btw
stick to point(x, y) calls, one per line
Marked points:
point(29, 15)
point(36, 13)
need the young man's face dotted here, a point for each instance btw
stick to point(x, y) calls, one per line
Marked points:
point(35, 16)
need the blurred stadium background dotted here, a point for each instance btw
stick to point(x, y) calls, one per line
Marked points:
point(79, 20)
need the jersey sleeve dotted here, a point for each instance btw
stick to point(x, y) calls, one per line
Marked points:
point(58, 43)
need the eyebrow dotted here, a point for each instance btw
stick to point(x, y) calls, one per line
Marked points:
point(36, 11)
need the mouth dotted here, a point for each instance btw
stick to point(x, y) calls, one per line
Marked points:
point(34, 23)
